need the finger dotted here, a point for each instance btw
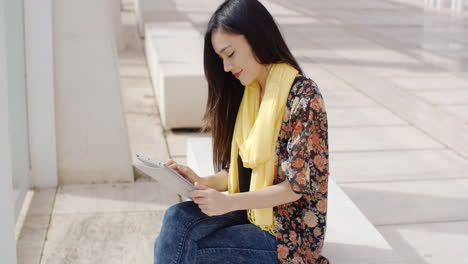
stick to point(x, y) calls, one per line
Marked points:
point(170, 162)
point(175, 167)
point(187, 173)
point(202, 207)
point(208, 212)
point(182, 168)
point(196, 194)
point(192, 194)
point(172, 166)
point(199, 202)
point(204, 210)
point(200, 186)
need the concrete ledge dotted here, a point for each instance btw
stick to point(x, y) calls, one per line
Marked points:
point(350, 237)
point(153, 11)
point(174, 54)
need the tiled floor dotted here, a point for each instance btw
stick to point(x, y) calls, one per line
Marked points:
point(394, 76)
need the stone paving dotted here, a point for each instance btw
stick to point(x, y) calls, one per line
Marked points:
point(395, 82)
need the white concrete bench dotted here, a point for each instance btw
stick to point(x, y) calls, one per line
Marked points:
point(174, 52)
point(350, 237)
point(154, 11)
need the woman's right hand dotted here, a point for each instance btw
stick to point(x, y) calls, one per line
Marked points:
point(185, 171)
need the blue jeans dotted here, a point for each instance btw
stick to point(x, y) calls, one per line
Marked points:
point(189, 236)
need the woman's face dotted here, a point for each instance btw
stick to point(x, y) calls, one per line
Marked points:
point(237, 56)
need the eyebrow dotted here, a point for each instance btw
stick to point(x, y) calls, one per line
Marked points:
point(223, 49)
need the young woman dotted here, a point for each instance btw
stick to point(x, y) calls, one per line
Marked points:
point(270, 143)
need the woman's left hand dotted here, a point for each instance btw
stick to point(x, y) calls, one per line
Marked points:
point(210, 201)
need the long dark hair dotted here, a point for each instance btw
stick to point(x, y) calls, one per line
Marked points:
point(251, 19)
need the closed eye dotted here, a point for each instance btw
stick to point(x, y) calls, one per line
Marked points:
point(230, 55)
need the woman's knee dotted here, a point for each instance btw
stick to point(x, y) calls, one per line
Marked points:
point(182, 212)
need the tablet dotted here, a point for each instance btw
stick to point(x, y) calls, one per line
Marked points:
point(168, 178)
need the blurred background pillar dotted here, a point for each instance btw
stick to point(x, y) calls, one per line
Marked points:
point(92, 140)
point(117, 24)
point(7, 221)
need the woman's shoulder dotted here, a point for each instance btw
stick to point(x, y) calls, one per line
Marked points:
point(303, 91)
point(304, 87)
point(304, 97)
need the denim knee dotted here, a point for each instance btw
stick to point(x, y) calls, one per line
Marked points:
point(181, 213)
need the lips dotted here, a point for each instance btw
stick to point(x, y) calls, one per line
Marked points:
point(237, 74)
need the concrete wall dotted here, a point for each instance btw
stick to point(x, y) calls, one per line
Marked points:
point(92, 140)
point(117, 24)
point(7, 227)
point(17, 100)
point(40, 85)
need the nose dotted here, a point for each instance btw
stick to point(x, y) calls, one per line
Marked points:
point(227, 66)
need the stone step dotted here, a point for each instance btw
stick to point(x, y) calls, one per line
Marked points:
point(350, 237)
point(151, 11)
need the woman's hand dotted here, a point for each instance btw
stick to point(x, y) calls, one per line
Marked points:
point(210, 201)
point(185, 171)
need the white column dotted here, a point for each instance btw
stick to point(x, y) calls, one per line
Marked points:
point(41, 93)
point(461, 5)
point(7, 221)
point(117, 24)
point(92, 140)
point(453, 4)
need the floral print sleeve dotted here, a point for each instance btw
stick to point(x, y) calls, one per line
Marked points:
point(302, 159)
point(306, 165)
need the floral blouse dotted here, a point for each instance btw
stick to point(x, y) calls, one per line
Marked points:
point(302, 158)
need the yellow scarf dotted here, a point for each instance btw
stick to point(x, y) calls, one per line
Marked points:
point(256, 134)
